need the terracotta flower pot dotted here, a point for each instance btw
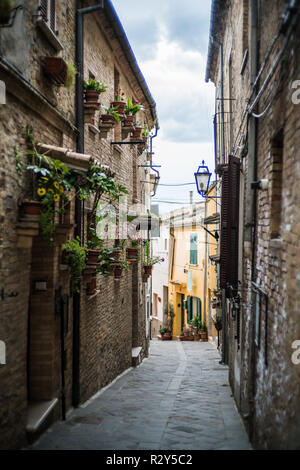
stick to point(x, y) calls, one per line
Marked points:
point(91, 96)
point(129, 121)
point(116, 254)
point(56, 69)
point(91, 286)
point(197, 337)
point(136, 133)
point(31, 208)
point(166, 337)
point(120, 105)
point(203, 336)
point(108, 119)
point(132, 253)
point(92, 257)
point(148, 270)
point(118, 272)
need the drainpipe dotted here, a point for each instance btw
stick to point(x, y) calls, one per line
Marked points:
point(249, 239)
point(78, 204)
point(151, 162)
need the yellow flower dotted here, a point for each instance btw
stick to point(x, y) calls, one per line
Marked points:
point(61, 188)
point(44, 178)
point(56, 197)
point(56, 185)
point(50, 190)
point(41, 191)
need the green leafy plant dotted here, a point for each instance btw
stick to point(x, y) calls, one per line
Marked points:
point(93, 85)
point(163, 331)
point(203, 328)
point(96, 182)
point(70, 75)
point(148, 259)
point(76, 258)
point(145, 132)
point(131, 109)
point(19, 162)
point(49, 185)
point(5, 8)
point(197, 323)
point(113, 111)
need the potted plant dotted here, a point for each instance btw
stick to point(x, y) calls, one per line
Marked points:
point(203, 332)
point(188, 334)
point(91, 286)
point(165, 334)
point(92, 90)
point(119, 267)
point(75, 256)
point(145, 134)
point(136, 132)
point(94, 245)
point(61, 72)
point(133, 251)
point(197, 325)
point(150, 261)
point(49, 184)
point(119, 101)
point(130, 111)
point(111, 116)
point(218, 323)
point(6, 7)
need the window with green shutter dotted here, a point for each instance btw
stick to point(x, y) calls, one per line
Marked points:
point(189, 309)
point(193, 249)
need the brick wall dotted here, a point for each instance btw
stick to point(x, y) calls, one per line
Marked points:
point(264, 380)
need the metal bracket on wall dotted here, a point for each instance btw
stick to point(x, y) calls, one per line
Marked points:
point(12, 17)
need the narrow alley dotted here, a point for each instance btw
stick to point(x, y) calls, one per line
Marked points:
point(178, 398)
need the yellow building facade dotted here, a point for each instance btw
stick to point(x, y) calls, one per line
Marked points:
point(187, 266)
point(193, 264)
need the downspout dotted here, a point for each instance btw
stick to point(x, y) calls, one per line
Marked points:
point(151, 162)
point(249, 239)
point(78, 204)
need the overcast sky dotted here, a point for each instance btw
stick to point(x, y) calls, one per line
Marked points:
point(170, 40)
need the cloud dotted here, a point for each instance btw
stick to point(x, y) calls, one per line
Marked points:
point(184, 100)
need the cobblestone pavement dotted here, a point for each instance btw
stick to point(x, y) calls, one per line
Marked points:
point(177, 399)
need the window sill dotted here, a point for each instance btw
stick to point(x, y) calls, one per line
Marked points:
point(51, 36)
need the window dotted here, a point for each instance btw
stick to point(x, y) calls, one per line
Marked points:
point(193, 305)
point(193, 249)
point(47, 23)
point(48, 12)
point(276, 202)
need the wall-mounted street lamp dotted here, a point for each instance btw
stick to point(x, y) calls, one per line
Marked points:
point(202, 177)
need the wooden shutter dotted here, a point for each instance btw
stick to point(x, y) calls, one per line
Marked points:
point(193, 249)
point(52, 15)
point(224, 244)
point(44, 9)
point(230, 226)
point(199, 308)
point(189, 308)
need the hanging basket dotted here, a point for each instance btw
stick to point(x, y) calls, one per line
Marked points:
point(92, 257)
point(120, 105)
point(148, 270)
point(56, 69)
point(91, 96)
point(118, 272)
point(132, 253)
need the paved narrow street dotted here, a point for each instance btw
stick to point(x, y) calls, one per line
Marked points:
point(178, 398)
